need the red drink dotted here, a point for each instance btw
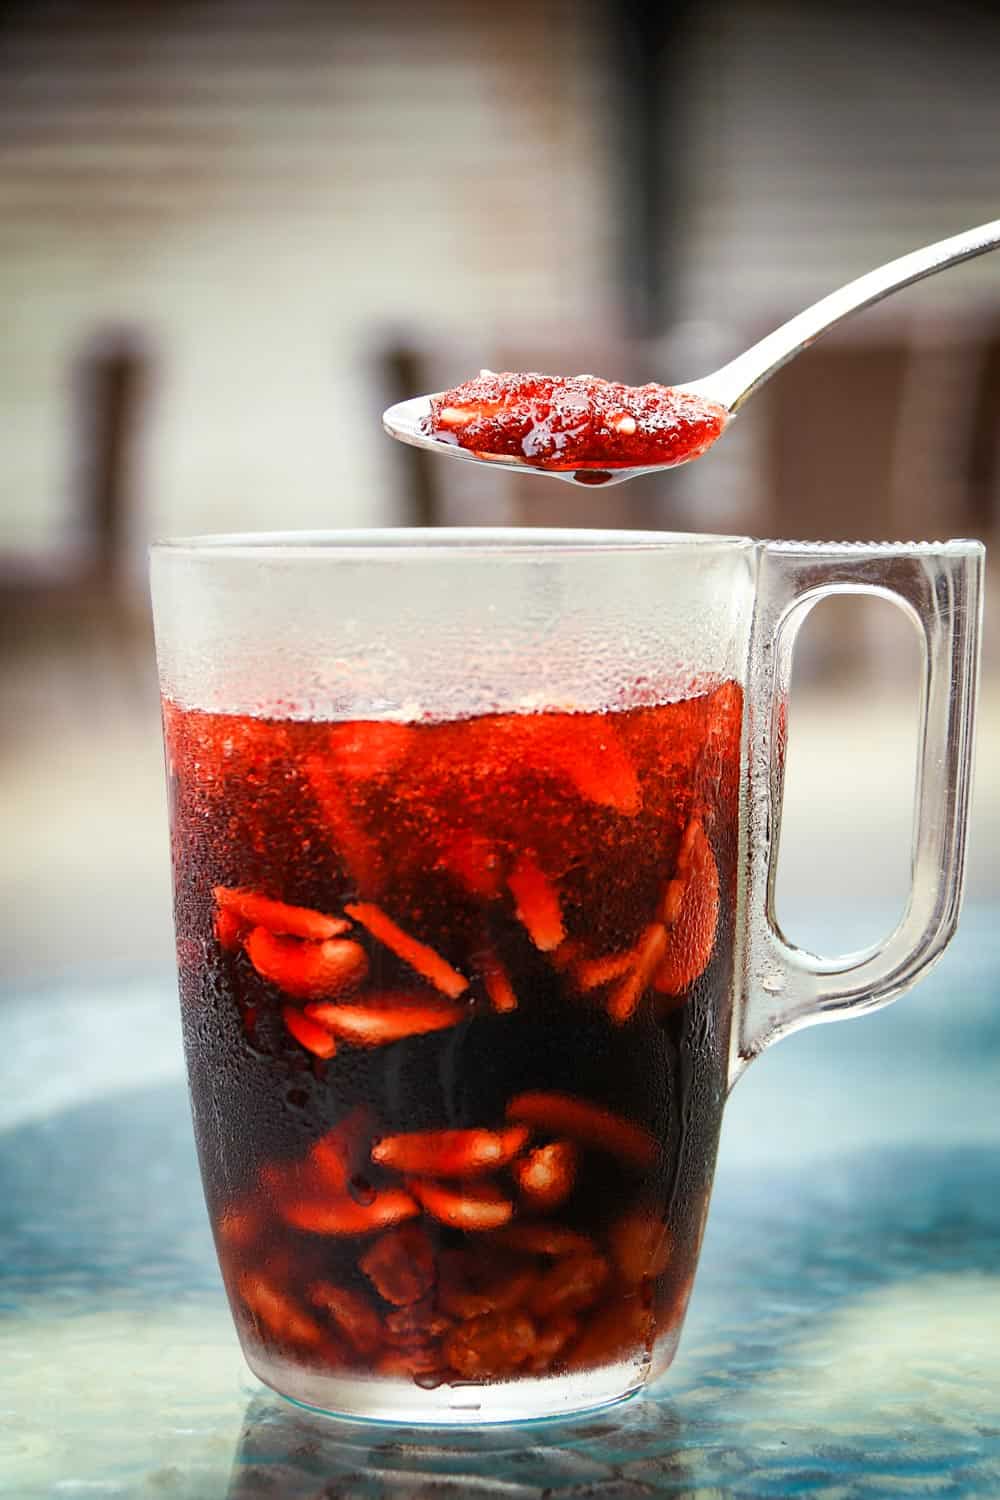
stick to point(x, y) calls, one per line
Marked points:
point(466, 988)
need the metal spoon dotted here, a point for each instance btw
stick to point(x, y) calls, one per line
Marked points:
point(730, 386)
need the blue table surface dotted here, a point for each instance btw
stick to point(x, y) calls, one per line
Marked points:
point(843, 1340)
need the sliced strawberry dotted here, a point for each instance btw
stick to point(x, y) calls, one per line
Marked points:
point(591, 973)
point(571, 1284)
point(419, 956)
point(537, 904)
point(277, 1313)
point(543, 1239)
point(314, 1038)
point(356, 1319)
point(254, 910)
point(590, 1124)
point(473, 861)
point(692, 935)
point(624, 999)
point(489, 1346)
point(228, 930)
point(497, 984)
point(333, 1160)
point(389, 1020)
point(345, 1216)
point(401, 1265)
point(588, 750)
point(365, 748)
point(449, 1153)
point(473, 1206)
point(306, 970)
point(545, 1177)
point(356, 848)
point(641, 1246)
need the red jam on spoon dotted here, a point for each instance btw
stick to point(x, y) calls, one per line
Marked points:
point(575, 422)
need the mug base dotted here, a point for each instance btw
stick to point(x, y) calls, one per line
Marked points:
point(403, 1402)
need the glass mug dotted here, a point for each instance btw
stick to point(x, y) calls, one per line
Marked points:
point(473, 841)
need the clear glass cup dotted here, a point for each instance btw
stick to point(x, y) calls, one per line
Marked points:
point(473, 840)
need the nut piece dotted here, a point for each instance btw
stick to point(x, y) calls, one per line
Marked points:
point(400, 1265)
point(489, 1346)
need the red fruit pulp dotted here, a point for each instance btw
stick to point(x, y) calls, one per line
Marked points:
point(579, 1109)
point(575, 422)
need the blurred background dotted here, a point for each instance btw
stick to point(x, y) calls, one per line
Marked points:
point(234, 230)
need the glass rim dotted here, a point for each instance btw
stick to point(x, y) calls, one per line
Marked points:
point(394, 541)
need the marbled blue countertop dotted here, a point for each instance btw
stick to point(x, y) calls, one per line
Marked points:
point(843, 1340)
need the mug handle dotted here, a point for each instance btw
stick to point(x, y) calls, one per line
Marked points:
point(939, 587)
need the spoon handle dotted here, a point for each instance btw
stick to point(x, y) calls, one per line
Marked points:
point(734, 382)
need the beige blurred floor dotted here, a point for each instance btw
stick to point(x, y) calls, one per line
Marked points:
point(84, 882)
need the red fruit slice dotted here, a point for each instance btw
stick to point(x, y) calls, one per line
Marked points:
point(418, 955)
point(473, 861)
point(545, 1177)
point(449, 1153)
point(624, 998)
point(570, 1285)
point(401, 1265)
point(228, 930)
point(366, 1025)
point(277, 1313)
point(497, 984)
point(356, 1319)
point(366, 748)
point(304, 970)
point(692, 935)
point(254, 910)
point(333, 1160)
point(474, 1206)
point(641, 1247)
point(567, 1115)
point(537, 904)
point(543, 1239)
point(357, 850)
point(345, 1216)
point(314, 1038)
point(587, 749)
point(591, 973)
point(491, 1345)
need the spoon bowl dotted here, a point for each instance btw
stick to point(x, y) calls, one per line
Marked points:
point(730, 386)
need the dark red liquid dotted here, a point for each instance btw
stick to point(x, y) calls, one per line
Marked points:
point(456, 1008)
point(576, 422)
